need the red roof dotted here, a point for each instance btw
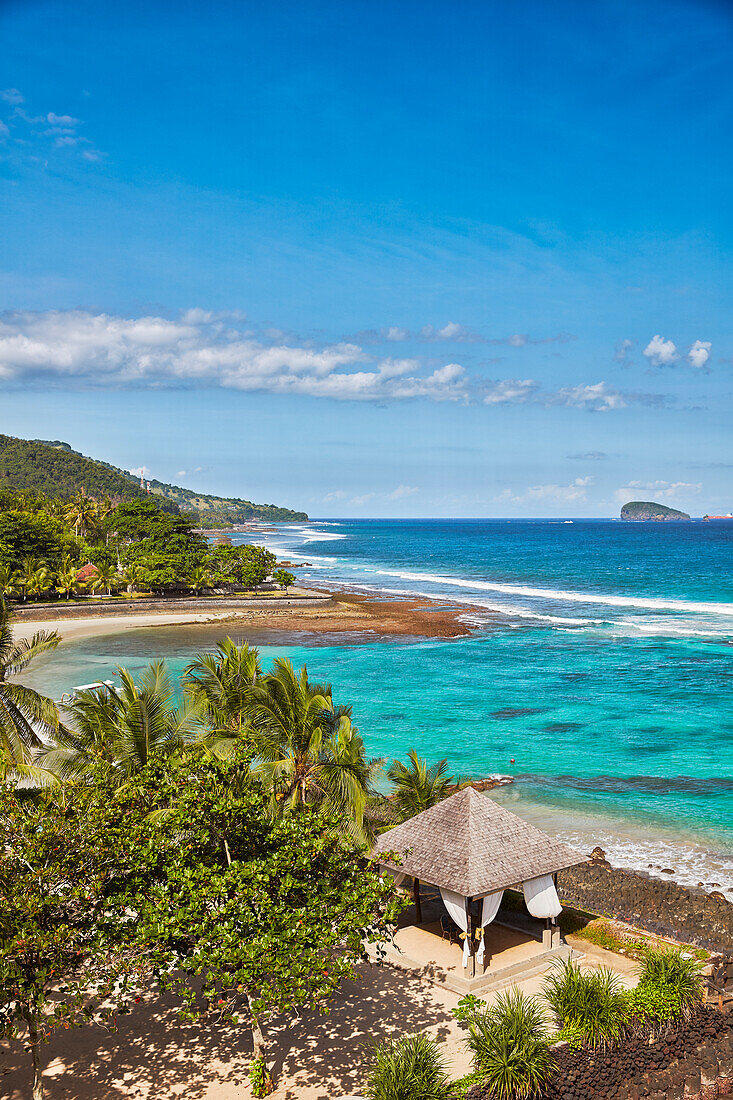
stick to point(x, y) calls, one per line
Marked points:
point(87, 572)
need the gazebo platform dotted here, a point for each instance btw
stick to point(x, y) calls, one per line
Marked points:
point(513, 952)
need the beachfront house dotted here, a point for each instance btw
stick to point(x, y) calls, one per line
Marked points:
point(460, 858)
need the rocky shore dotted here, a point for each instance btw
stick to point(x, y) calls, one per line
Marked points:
point(662, 907)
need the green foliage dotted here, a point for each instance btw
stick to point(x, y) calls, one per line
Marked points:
point(246, 566)
point(652, 1005)
point(602, 934)
point(26, 534)
point(165, 548)
point(467, 1008)
point(307, 750)
point(283, 579)
point(510, 1046)
point(408, 1068)
point(259, 1077)
point(118, 732)
point(53, 468)
point(666, 970)
point(417, 785)
point(32, 466)
point(24, 714)
point(178, 874)
point(594, 1003)
point(222, 684)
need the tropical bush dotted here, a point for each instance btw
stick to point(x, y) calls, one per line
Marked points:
point(593, 1004)
point(511, 1048)
point(408, 1068)
point(674, 979)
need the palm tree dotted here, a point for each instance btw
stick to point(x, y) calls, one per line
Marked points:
point(24, 714)
point(27, 573)
point(223, 682)
point(105, 578)
point(122, 730)
point(199, 578)
point(8, 581)
point(40, 581)
point(307, 750)
point(132, 576)
point(82, 513)
point(66, 580)
point(418, 787)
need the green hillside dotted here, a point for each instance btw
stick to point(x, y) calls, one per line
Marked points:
point(642, 510)
point(52, 467)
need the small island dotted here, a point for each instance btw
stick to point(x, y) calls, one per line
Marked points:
point(640, 510)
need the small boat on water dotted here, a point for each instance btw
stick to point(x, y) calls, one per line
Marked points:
point(729, 516)
point(70, 696)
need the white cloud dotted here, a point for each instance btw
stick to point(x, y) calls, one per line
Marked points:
point(661, 352)
point(597, 397)
point(518, 340)
point(34, 138)
point(451, 331)
point(394, 332)
point(213, 349)
point(103, 350)
point(699, 353)
point(660, 490)
point(62, 120)
point(140, 471)
point(401, 492)
point(623, 350)
point(515, 391)
point(551, 494)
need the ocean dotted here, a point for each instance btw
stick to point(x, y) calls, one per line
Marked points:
point(598, 673)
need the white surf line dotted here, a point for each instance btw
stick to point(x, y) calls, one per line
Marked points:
point(648, 603)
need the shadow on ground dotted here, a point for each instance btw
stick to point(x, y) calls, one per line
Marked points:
point(156, 1056)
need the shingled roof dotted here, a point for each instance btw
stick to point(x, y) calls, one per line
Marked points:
point(470, 844)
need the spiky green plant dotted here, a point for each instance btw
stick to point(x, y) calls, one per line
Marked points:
point(408, 1068)
point(511, 1047)
point(595, 1004)
point(667, 969)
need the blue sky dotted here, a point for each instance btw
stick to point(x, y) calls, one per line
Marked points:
point(433, 259)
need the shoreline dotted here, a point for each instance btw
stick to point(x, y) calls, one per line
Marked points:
point(317, 612)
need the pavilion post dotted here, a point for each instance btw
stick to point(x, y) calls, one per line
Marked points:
point(471, 968)
point(416, 898)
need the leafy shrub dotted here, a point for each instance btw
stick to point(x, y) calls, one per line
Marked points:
point(510, 1047)
point(666, 971)
point(259, 1078)
point(595, 1004)
point(652, 1006)
point(408, 1068)
point(467, 1007)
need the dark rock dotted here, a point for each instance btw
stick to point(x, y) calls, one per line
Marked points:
point(658, 905)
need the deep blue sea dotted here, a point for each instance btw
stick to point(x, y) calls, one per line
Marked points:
point(601, 663)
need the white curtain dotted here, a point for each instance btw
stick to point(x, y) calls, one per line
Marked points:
point(456, 906)
point(489, 909)
point(541, 897)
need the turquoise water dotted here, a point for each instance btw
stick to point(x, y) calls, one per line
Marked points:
point(601, 665)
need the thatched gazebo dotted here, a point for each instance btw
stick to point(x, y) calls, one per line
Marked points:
point(472, 849)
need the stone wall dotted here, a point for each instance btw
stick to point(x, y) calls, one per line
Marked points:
point(693, 1062)
point(660, 906)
